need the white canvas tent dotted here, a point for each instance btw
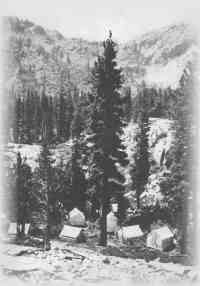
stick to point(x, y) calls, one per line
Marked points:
point(12, 230)
point(73, 232)
point(76, 217)
point(4, 225)
point(112, 223)
point(129, 232)
point(160, 238)
point(27, 226)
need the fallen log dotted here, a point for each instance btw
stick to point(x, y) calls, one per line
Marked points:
point(77, 255)
point(73, 257)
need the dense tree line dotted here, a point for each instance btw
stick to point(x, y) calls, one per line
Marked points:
point(36, 114)
point(30, 111)
point(158, 103)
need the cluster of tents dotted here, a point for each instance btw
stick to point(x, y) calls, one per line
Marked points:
point(161, 237)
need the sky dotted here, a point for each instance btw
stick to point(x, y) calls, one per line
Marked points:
point(91, 19)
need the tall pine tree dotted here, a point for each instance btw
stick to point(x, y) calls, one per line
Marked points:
point(78, 181)
point(178, 186)
point(23, 189)
point(106, 127)
point(140, 169)
point(44, 174)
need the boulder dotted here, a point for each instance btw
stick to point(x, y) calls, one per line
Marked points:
point(161, 238)
point(112, 223)
point(76, 217)
point(73, 232)
point(129, 232)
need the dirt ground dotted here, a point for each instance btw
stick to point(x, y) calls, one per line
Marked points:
point(75, 264)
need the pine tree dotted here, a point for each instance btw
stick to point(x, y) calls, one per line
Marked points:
point(106, 128)
point(17, 119)
point(44, 180)
point(68, 115)
point(50, 129)
point(77, 122)
point(62, 117)
point(45, 173)
point(140, 170)
point(22, 138)
point(62, 185)
point(23, 192)
point(18, 189)
point(128, 104)
point(78, 181)
point(45, 117)
point(28, 117)
point(37, 118)
point(65, 105)
point(177, 186)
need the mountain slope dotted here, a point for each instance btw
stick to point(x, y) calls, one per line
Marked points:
point(159, 57)
point(34, 56)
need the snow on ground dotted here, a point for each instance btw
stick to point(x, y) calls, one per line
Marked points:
point(52, 268)
point(152, 195)
point(62, 151)
point(160, 137)
point(30, 153)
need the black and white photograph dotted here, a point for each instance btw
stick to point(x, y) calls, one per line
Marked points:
point(99, 142)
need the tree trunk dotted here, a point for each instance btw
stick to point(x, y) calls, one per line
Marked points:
point(138, 198)
point(195, 222)
point(47, 245)
point(103, 225)
point(18, 229)
point(23, 228)
point(103, 213)
point(184, 225)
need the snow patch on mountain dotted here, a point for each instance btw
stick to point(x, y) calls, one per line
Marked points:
point(170, 74)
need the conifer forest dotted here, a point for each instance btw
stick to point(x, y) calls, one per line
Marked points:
point(99, 157)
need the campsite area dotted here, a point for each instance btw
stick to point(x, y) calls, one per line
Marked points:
point(79, 260)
